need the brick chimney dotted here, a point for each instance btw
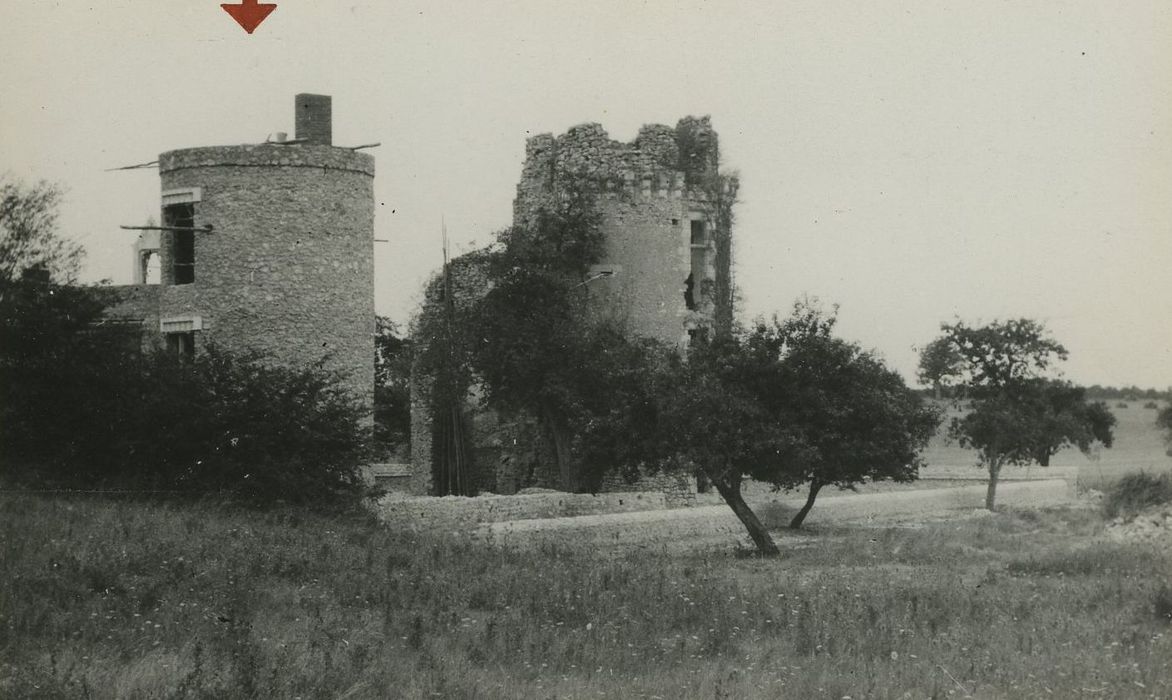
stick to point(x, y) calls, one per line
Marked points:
point(313, 120)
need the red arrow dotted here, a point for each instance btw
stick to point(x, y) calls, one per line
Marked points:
point(249, 13)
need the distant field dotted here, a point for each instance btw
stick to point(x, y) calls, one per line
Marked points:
point(1138, 446)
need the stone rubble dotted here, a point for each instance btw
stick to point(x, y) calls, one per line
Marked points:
point(1151, 526)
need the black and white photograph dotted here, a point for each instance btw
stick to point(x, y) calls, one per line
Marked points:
point(521, 349)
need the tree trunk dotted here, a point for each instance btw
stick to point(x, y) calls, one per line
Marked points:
point(731, 493)
point(567, 475)
point(991, 492)
point(815, 487)
point(703, 483)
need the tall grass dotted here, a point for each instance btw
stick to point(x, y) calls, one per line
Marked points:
point(127, 600)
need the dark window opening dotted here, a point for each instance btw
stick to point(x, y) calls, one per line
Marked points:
point(181, 216)
point(181, 345)
point(690, 293)
point(699, 235)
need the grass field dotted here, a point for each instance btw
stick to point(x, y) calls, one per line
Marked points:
point(1138, 446)
point(125, 600)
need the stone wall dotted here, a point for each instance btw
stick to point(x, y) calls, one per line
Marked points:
point(455, 513)
point(288, 266)
point(678, 489)
point(135, 302)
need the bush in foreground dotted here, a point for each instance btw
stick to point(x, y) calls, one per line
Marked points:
point(227, 424)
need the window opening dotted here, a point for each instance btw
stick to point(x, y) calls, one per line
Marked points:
point(181, 345)
point(690, 293)
point(699, 235)
point(151, 269)
point(182, 242)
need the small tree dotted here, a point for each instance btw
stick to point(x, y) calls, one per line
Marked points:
point(940, 364)
point(1164, 423)
point(1064, 417)
point(858, 419)
point(711, 420)
point(1019, 416)
point(789, 404)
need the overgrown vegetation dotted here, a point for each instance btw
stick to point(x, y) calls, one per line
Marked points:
point(1134, 492)
point(392, 388)
point(1164, 423)
point(84, 406)
point(104, 599)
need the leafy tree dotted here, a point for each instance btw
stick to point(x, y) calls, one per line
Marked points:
point(528, 357)
point(392, 385)
point(1164, 422)
point(1019, 415)
point(1063, 417)
point(28, 233)
point(49, 341)
point(530, 325)
point(940, 363)
point(858, 420)
point(1001, 354)
point(789, 404)
point(58, 367)
point(711, 420)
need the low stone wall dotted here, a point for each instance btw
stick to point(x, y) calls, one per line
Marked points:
point(677, 488)
point(692, 528)
point(458, 513)
point(969, 472)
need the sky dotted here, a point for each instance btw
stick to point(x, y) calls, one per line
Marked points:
point(914, 163)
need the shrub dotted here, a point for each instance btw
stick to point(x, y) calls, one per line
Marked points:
point(1152, 405)
point(223, 423)
point(1137, 491)
point(235, 423)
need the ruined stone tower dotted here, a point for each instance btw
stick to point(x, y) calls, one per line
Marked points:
point(661, 267)
point(660, 273)
point(269, 247)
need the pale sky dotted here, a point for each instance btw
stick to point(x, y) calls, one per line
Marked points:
point(913, 162)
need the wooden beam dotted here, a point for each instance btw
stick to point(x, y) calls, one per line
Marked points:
point(203, 229)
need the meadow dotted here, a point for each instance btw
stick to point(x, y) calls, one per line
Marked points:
point(102, 599)
point(108, 598)
point(1138, 446)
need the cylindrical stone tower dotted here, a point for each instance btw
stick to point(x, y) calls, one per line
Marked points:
point(270, 247)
